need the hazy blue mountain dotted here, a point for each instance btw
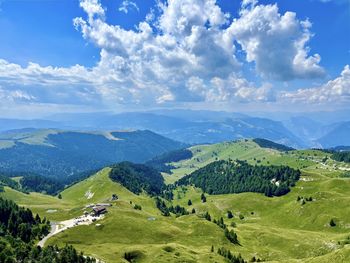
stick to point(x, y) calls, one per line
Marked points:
point(199, 115)
point(338, 136)
point(305, 128)
point(188, 126)
point(62, 154)
point(197, 127)
point(12, 124)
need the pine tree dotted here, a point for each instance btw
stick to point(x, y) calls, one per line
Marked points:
point(203, 198)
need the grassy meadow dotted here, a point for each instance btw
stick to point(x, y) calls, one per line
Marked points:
point(278, 229)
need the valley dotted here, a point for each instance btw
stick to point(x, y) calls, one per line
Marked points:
point(291, 228)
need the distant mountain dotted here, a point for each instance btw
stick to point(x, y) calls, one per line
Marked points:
point(194, 127)
point(199, 126)
point(63, 154)
point(338, 136)
point(305, 128)
point(12, 124)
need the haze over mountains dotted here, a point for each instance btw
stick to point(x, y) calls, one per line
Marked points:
point(323, 130)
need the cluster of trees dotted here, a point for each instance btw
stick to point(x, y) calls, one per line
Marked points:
point(20, 223)
point(224, 177)
point(6, 181)
point(229, 256)
point(161, 205)
point(168, 193)
point(303, 200)
point(229, 234)
point(346, 174)
point(19, 230)
point(38, 183)
point(138, 178)
point(207, 216)
point(178, 210)
point(341, 156)
point(263, 143)
point(137, 207)
point(161, 163)
point(165, 210)
point(21, 252)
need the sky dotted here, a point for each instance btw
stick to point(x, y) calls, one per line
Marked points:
point(126, 55)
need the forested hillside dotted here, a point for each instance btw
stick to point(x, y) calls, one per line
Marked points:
point(224, 177)
point(137, 178)
point(41, 184)
point(341, 156)
point(161, 163)
point(65, 154)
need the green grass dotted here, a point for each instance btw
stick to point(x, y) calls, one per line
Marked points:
point(38, 137)
point(278, 229)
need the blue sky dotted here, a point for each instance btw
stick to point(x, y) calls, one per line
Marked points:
point(124, 66)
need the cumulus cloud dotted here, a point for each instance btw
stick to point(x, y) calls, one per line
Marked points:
point(187, 44)
point(185, 54)
point(127, 5)
point(275, 42)
point(336, 91)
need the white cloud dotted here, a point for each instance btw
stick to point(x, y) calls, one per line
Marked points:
point(275, 42)
point(15, 95)
point(188, 44)
point(127, 5)
point(188, 55)
point(334, 91)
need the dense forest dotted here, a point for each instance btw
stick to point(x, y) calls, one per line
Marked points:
point(263, 143)
point(66, 154)
point(138, 178)
point(20, 230)
point(341, 156)
point(161, 163)
point(224, 177)
point(37, 183)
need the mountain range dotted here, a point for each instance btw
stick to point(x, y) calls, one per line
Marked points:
point(198, 127)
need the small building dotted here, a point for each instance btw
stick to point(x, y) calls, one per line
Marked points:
point(99, 210)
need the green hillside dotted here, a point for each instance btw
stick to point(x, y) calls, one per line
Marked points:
point(291, 228)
